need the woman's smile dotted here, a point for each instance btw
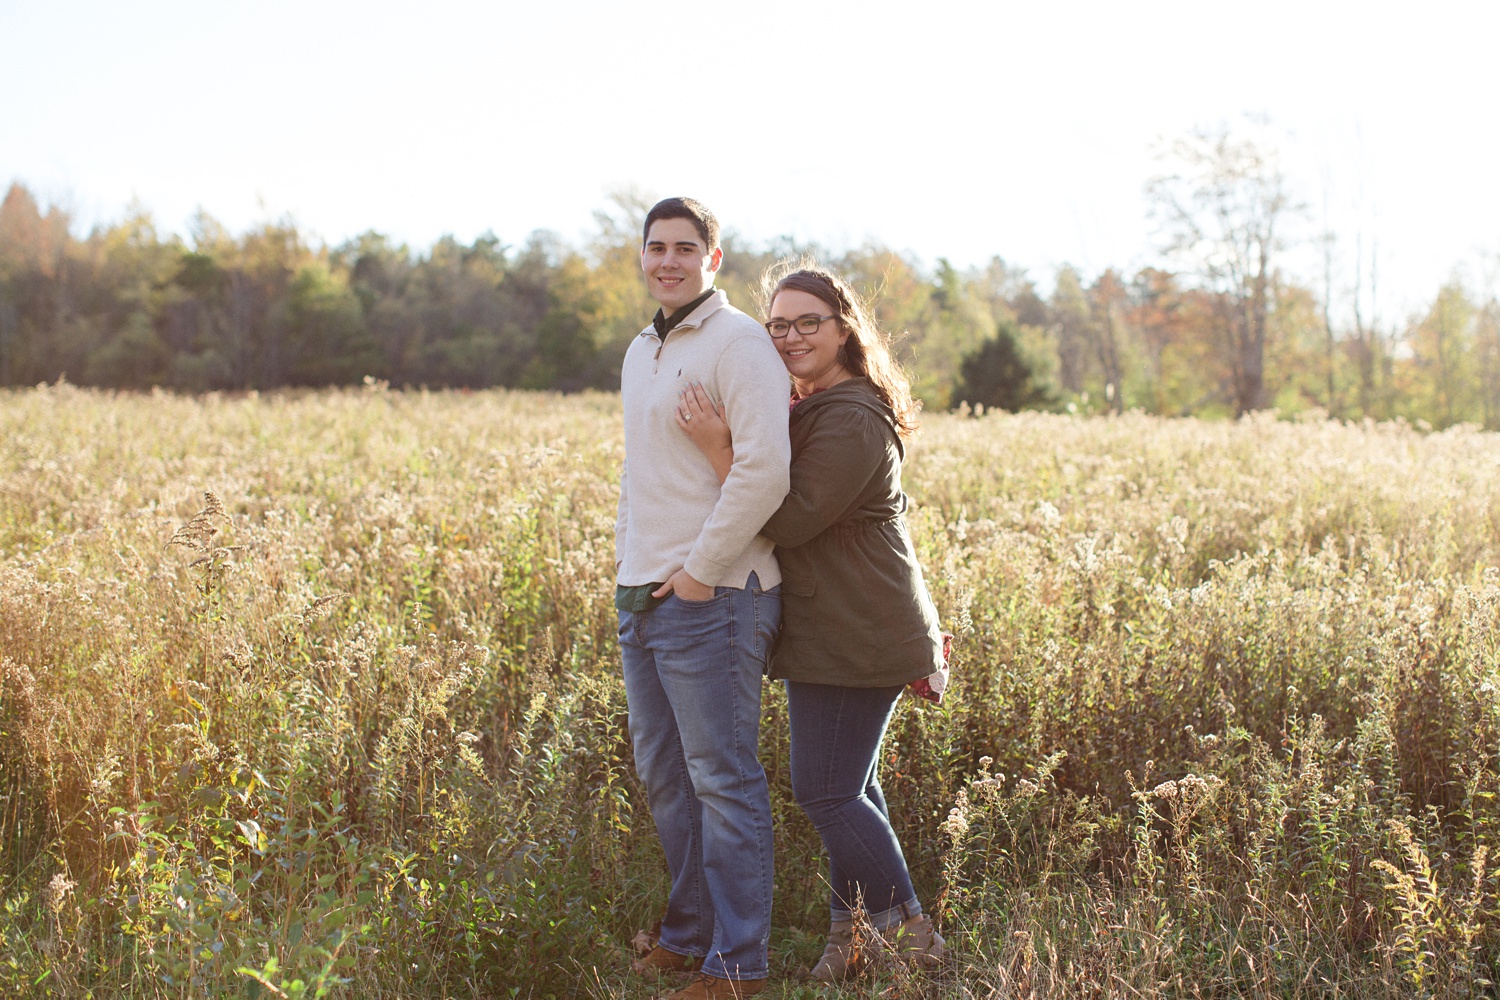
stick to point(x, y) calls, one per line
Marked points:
point(813, 359)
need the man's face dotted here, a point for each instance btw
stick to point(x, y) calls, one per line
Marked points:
point(678, 266)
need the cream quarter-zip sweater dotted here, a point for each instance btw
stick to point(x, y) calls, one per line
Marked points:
point(673, 512)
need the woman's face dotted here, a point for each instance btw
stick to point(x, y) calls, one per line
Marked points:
point(807, 356)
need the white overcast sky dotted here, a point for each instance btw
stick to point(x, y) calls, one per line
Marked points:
point(943, 128)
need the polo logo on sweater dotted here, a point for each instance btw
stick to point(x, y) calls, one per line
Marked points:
point(679, 373)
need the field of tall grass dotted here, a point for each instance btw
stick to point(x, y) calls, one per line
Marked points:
point(316, 695)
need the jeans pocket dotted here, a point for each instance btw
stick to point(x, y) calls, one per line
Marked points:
point(767, 625)
point(720, 594)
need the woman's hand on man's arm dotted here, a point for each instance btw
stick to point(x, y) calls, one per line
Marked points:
point(706, 424)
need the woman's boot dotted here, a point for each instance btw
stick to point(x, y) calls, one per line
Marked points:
point(840, 957)
point(916, 942)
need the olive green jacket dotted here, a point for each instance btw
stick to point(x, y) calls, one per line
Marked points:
point(855, 611)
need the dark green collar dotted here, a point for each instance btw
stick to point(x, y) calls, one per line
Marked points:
point(666, 325)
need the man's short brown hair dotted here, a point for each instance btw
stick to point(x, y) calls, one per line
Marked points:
point(684, 208)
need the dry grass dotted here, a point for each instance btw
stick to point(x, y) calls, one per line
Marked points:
point(315, 694)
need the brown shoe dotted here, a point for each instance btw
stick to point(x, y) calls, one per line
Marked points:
point(707, 987)
point(659, 961)
point(644, 941)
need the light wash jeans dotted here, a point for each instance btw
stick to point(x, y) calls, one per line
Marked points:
point(836, 735)
point(693, 681)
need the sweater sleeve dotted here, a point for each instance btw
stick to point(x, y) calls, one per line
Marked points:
point(832, 469)
point(622, 517)
point(752, 385)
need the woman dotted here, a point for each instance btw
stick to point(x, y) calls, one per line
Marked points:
point(857, 624)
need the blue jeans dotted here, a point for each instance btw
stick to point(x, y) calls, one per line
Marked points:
point(836, 734)
point(693, 680)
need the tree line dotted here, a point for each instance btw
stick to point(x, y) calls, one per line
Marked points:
point(1225, 331)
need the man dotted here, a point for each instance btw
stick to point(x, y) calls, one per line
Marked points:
point(698, 594)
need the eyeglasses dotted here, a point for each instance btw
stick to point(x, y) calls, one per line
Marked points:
point(806, 325)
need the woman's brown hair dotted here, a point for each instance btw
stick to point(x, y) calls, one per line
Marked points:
point(867, 352)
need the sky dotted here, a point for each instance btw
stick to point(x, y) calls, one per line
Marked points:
point(943, 129)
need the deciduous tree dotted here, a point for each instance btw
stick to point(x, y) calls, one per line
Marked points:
point(1223, 205)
